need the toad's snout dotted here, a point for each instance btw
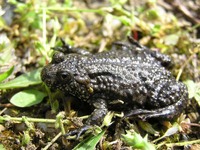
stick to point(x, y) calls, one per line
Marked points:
point(48, 75)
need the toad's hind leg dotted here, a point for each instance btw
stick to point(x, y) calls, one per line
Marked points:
point(168, 112)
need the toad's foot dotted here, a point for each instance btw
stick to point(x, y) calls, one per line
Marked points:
point(78, 132)
point(96, 117)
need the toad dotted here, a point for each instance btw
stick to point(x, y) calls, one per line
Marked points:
point(129, 78)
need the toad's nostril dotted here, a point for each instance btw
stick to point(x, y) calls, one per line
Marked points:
point(48, 73)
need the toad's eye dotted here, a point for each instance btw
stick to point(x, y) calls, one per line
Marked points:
point(58, 57)
point(65, 76)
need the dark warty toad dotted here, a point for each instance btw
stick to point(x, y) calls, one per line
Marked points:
point(129, 78)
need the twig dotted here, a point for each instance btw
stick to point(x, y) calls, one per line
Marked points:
point(184, 65)
point(20, 119)
point(1, 112)
point(177, 6)
point(185, 12)
point(7, 105)
point(183, 143)
point(52, 141)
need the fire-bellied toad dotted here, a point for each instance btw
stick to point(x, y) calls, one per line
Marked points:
point(129, 78)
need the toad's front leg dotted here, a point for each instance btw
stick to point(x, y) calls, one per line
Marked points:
point(96, 117)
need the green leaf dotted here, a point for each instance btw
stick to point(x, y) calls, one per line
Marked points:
point(27, 98)
point(2, 147)
point(193, 90)
point(6, 74)
point(2, 22)
point(148, 127)
point(90, 142)
point(40, 47)
point(6, 53)
point(171, 131)
point(26, 138)
point(107, 119)
point(171, 39)
point(136, 141)
point(125, 20)
point(197, 97)
point(156, 28)
point(24, 80)
point(152, 14)
point(119, 2)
